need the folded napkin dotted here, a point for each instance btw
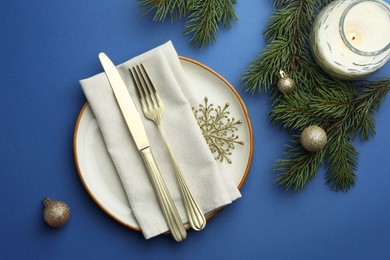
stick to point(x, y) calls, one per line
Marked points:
point(210, 187)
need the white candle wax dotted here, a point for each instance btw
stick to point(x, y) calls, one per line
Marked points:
point(351, 38)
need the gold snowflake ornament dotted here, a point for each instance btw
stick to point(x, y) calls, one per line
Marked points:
point(218, 129)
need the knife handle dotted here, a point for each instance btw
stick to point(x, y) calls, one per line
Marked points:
point(170, 213)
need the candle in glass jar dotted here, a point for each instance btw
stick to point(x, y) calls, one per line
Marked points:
point(350, 39)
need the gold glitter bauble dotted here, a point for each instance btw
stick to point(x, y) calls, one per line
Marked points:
point(285, 84)
point(313, 138)
point(56, 213)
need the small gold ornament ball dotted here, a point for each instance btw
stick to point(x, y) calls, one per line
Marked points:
point(56, 213)
point(313, 138)
point(285, 84)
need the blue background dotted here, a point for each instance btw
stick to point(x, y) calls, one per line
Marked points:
point(46, 46)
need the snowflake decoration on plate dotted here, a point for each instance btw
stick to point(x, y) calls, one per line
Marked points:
point(218, 129)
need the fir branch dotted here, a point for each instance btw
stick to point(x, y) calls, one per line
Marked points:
point(261, 73)
point(299, 114)
point(228, 13)
point(174, 9)
point(299, 166)
point(344, 110)
point(340, 112)
point(203, 22)
point(368, 99)
point(205, 18)
point(288, 29)
point(340, 174)
point(291, 24)
point(330, 106)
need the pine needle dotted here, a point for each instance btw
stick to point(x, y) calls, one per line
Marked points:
point(174, 9)
point(204, 17)
point(299, 166)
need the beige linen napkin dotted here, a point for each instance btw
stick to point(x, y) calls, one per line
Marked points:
point(210, 187)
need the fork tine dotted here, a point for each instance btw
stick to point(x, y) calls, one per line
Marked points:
point(144, 83)
point(146, 101)
point(152, 89)
point(150, 86)
point(136, 82)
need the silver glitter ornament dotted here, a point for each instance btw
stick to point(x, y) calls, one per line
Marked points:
point(313, 138)
point(56, 213)
point(285, 84)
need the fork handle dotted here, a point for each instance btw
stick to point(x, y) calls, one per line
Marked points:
point(195, 215)
point(168, 208)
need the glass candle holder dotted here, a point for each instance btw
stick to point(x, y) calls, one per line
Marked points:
point(350, 39)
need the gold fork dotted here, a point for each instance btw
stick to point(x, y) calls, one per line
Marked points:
point(153, 110)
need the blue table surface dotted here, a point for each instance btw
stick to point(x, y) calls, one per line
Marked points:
point(47, 46)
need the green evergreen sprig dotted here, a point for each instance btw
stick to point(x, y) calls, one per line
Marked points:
point(344, 110)
point(204, 17)
point(174, 9)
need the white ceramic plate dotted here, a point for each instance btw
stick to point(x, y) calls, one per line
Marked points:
point(98, 173)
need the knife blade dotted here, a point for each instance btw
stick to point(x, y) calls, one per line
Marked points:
point(138, 133)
